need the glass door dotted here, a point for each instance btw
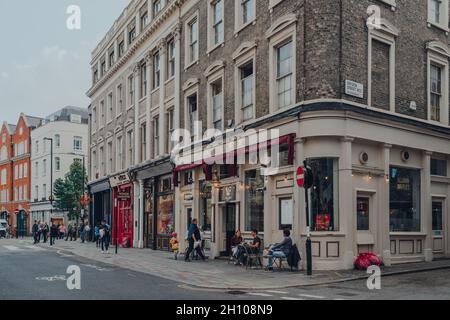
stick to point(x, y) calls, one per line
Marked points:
point(437, 212)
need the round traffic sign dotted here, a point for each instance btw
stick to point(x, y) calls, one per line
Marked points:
point(300, 176)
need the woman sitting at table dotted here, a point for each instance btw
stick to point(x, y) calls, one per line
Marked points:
point(236, 250)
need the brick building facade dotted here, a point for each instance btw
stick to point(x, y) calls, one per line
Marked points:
point(15, 146)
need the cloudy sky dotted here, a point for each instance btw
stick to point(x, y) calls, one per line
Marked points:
point(44, 66)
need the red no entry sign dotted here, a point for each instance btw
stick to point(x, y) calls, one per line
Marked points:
point(300, 176)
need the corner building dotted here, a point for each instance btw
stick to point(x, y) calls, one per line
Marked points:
point(366, 105)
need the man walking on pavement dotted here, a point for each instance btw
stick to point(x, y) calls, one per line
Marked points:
point(82, 232)
point(54, 233)
point(194, 241)
point(106, 232)
point(45, 231)
point(35, 231)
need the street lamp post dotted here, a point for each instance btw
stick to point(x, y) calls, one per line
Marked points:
point(51, 175)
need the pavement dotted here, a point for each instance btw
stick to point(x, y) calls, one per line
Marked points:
point(215, 274)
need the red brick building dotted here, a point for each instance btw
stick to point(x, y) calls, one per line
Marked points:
point(15, 169)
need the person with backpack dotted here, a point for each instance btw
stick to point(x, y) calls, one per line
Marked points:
point(97, 235)
point(105, 234)
point(280, 250)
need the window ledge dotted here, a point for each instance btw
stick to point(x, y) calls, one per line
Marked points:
point(241, 27)
point(438, 26)
point(119, 115)
point(155, 90)
point(408, 234)
point(109, 122)
point(219, 45)
point(130, 107)
point(142, 99)
point(169, 80)
point(190, 64)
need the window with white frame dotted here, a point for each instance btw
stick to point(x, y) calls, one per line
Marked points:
point(36, 192)
point(244, 13)
point(25, 193)
point(131, 34)
point(284, 74)
point(94, 124)
point(156, 70)
point(144, 18)
point(109, 155)
point(101, 158)
point(435, 92)
point(247, 81)
point(16, 172)
point(171, 59)
point(437, 87)
point(130, 153)
point(20, 171)
point(110, 107)
point(111, 57)
point(131, 90)
point(44, 192)
point(170, 129)
point(57, 140)
point(25, 170)
point(121, 48)
point(217, 104)
point(156, 136)
point(57, 163)
point(156, 7)
point(44, 167)
point(216, 23)
point(3, 153)
point(102, 113)
point(119, 153)
point(192, 111)
point(119, 99)
point(143, 80)
point(94, 164)
point(438, 13)
point(192, 41)
point(77, 143)
point(3, 177)
point(143, 140)
point(282, 57)
point(36, 169)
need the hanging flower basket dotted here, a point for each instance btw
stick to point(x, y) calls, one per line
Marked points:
point(365, 260)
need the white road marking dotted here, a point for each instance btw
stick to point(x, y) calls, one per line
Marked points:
point(277, 292)
point(291, 298)
point(259, 294)
point(311, 296)
point(34, 248)
point(13, 248)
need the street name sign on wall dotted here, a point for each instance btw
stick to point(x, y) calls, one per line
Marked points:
point(354, 89)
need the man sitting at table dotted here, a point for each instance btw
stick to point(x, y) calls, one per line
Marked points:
point(253, 247)
point(280, 250)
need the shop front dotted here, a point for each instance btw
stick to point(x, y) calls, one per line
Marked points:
point(156, 201)
point(100, 207)
point(123, 218)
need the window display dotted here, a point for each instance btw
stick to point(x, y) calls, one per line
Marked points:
point(254, 200)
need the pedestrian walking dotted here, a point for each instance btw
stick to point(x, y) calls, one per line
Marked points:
point(194, 239)
point(82, 231)
point(45, 231)
point(35, 231)
point(54, 233)
point(69, 232)
point(74, 232)
point(97, 235)
point(105, 234)
point(62, 231)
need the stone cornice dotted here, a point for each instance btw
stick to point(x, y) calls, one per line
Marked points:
point(151, 29)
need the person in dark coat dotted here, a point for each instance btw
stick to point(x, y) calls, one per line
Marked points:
point(35, 231)
point(45, 231)
point(193, 238)
point(54, 233)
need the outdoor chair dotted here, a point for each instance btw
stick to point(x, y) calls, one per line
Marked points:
point(254, 258)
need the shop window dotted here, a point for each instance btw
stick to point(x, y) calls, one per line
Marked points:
point(437, 217)
point(362, 213)
point(205, 205)
point(165, 218)
point(254, 200)
point(439, 167)
point(286, 211)
point(404, 199)
point(324, 194)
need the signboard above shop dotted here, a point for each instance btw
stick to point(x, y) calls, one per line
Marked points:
point(119, 180)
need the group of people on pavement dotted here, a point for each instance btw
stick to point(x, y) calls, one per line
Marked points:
point(102, 234)
point(278, 250)
point(41, 231)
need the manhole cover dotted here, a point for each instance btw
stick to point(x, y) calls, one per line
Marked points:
point(236, 292)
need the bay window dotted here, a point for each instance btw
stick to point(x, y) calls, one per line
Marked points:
point(324, 194)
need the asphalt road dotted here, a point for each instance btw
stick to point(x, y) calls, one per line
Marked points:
point(28, 272)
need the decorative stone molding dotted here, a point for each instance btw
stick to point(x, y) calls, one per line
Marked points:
point(439, 48)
